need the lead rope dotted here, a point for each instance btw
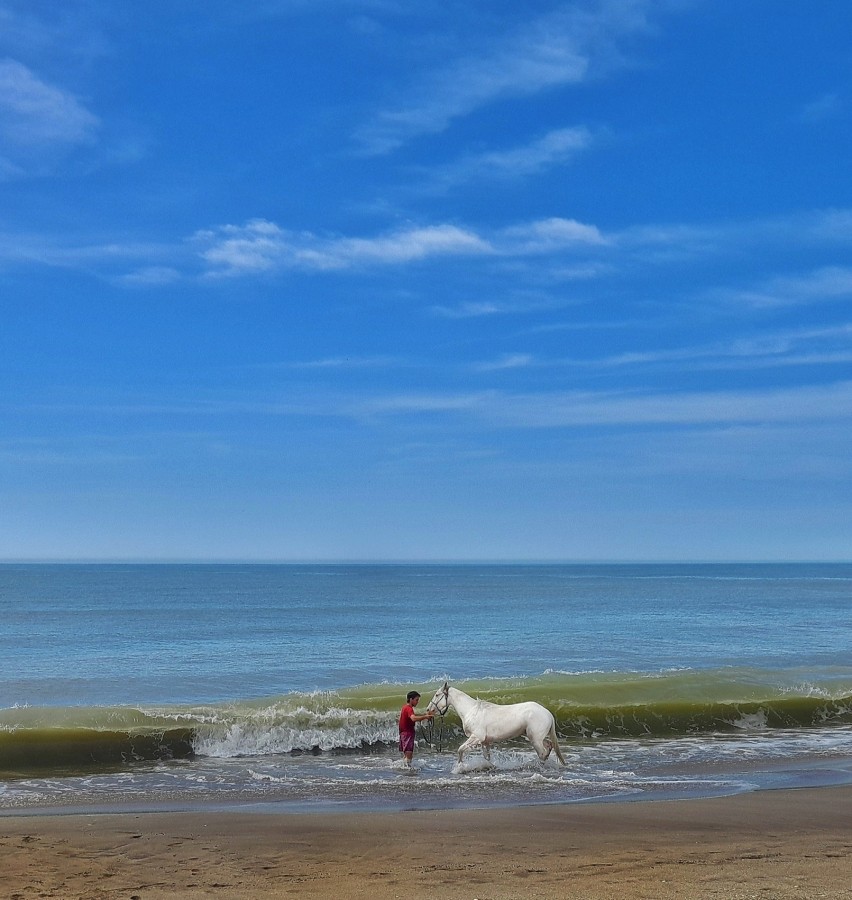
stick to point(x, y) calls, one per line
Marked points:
point(423, 734)
point(442, 714)
point(430, 740)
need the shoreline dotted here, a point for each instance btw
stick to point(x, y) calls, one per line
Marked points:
point(783, 844)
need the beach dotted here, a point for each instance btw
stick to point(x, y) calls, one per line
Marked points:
point(773, 845)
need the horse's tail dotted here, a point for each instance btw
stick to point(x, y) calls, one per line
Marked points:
point(555, 743)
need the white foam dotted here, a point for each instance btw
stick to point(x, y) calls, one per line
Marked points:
point(273, 731)
point(755, 721)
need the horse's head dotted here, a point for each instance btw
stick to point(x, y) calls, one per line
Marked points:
point(440, 702)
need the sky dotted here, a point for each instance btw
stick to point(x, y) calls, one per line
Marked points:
point(384, 280)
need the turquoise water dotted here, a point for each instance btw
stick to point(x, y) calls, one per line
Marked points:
point(161, 686)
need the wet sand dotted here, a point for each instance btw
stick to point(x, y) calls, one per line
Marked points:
point(771, 845)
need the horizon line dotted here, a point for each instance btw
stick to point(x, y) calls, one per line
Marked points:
point(409, 561)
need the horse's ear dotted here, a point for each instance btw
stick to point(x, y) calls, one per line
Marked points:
point(446, 685)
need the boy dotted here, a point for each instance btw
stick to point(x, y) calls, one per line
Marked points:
point(407, 720)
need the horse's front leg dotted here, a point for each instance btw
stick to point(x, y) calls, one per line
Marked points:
point(469, 744)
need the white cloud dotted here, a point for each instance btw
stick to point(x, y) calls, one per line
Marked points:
point(260, 246)
point(556, 148)
point(407, 404)
point(151, 276)
point(473, 309)
point(793, 347)
point(347, 362)
point(37, 119)
point(549, 235)
point(828, 106)
point(254, 247)
point(799, 229)
point(507, 361)
point(830, 403)
point(821, 285)
point(18, 248)
point(413, 244)
point(830, 225)
point(574, 251)
point(8, 170)
point(562, 48)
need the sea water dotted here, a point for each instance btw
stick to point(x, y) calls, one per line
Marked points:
point(279, 686)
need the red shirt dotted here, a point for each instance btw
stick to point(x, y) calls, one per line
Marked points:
point(405, 723)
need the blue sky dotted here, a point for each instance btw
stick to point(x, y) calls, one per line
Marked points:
point(373, 279)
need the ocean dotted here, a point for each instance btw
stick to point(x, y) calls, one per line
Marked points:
point(278, 687)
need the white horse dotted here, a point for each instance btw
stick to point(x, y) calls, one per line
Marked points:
point(484, 722)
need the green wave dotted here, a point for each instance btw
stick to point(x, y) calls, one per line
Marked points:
point(669, 719)
point(587, 706)
point(75, 750)
point(606, 705)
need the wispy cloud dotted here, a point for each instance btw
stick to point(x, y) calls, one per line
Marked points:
point(815, 346)
point(562, 48)
point(506, 362)
point(151, 276)
point(415, 404)
point(38, 33)
point(338, 363)
point(830, 402)
point(260, 246)
point(574, 250)
point(820, 286)
point(400, 247)
point(828, 106)
point(102, 258)
point(823, 402)
point(548, 235)
point(677, 242)
point(556, 148)
point(38, 120)
point(827, 345)
point(473, 309)
point(257, 246)
point(811, 343)
point(520, 303)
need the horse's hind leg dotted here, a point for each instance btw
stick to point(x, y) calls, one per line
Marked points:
point(543, 746)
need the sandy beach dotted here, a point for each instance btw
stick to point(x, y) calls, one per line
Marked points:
point(771, 845)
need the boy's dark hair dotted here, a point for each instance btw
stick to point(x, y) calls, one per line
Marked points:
point(411, 695)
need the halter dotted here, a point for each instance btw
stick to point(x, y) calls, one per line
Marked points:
point(441, 712)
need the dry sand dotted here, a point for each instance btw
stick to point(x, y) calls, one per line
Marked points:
point(770, 845)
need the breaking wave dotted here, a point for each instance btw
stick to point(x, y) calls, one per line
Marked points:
point(589, 706)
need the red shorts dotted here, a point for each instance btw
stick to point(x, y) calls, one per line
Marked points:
point(406, 742)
